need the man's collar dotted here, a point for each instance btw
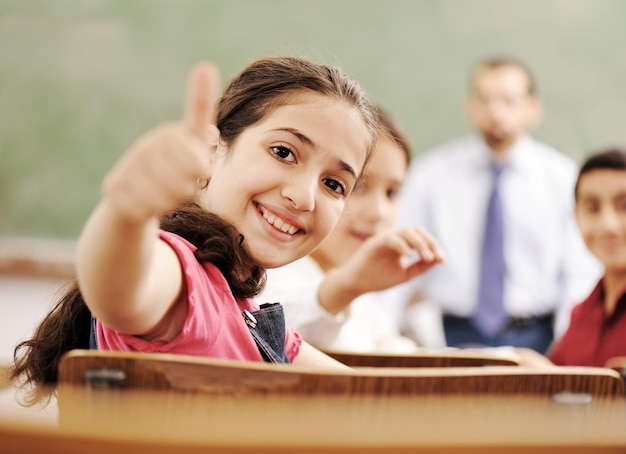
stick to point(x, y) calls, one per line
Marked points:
point(513, 158)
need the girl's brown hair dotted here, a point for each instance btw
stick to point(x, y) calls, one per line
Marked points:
point(391, 128)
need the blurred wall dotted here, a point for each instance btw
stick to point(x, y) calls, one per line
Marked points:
point(81, 79)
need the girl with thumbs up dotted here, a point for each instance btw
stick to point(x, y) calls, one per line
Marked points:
point(194, 212)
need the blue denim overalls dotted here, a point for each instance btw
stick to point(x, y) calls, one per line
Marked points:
point(267, 326)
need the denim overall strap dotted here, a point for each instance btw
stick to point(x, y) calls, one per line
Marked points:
point(267, 326)
point(93, 341)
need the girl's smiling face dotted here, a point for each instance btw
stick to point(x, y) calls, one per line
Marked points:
point(284, 182)
point(371, 209)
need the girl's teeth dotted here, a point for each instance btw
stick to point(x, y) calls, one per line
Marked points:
point(279, 224)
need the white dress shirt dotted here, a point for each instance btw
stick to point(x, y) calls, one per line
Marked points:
point(361, 327)
point(548, 266)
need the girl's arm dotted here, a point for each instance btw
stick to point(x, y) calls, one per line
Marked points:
point(130, 279)
point(309, 356)
point(529, 357)
point(378, 265)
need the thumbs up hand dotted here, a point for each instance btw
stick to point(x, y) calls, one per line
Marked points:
point(162, 168)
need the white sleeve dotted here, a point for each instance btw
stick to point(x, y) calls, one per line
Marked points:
point(414, 196)
point(413, 209)
point(295, 286)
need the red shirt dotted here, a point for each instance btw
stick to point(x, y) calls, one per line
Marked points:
point(593, 337)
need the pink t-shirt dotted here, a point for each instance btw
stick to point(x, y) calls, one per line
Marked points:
point(214, 326)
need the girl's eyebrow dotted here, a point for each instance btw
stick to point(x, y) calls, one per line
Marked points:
point(301, 137)
point(308, 142)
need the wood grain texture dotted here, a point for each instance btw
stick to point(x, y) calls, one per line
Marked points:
point(618, 364)
point(146, 421)
point(182, 373)
point(426, 359)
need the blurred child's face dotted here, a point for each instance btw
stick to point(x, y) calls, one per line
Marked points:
point(601, 215)
point(372, 208)
point(285, 180)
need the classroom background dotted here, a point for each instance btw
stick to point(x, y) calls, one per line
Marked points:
point(81, 79)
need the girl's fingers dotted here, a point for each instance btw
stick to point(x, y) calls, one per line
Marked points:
point(203, 87)
point(424, 243)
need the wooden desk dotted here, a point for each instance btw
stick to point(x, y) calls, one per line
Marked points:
point(446, 358)
point(37, 257)
point(118, 422)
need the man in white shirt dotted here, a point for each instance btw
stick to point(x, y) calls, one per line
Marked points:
point(545, 267)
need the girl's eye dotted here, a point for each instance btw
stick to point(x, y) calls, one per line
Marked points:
point(283, 153)
point(335, 186)
point(392, 194)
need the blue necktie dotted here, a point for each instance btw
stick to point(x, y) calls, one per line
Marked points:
point(490, 317)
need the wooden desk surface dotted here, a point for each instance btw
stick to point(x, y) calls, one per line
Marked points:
point(109, 421)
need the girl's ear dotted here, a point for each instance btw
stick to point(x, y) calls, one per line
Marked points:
point(213, 140)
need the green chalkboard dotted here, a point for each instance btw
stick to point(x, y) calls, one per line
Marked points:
point(81, 79)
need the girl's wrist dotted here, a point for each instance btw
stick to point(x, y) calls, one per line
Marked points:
point(337, 291)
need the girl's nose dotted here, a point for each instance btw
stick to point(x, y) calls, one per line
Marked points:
point(377, 208)
point(301, 191)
